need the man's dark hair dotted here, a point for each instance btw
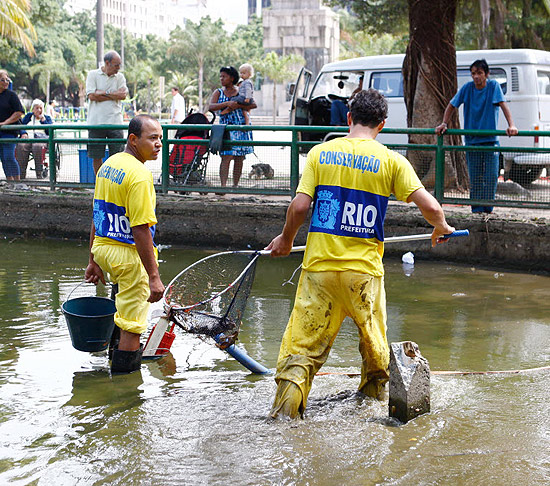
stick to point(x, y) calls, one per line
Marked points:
point(175, 88)
point(480, 64)
point(109, 56)
point(232, 72)
point(368, 108)
point(136, 124)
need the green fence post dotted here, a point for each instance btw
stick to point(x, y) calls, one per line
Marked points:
point(165, 160)
point(51, 158)
point(294, 163)
point(439, 192)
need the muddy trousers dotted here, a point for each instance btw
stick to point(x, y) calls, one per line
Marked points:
point(323, 300)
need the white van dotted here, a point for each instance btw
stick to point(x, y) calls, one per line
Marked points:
point(524, 75)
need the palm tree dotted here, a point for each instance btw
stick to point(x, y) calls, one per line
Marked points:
point(139, 73)
point(279, 69)
point(198, 42)
point(53, 65)
point(82, 60)
point(187, 85)
point(14, 22)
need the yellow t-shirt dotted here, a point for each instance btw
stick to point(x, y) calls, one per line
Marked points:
point(124, 197)
point(350, 181)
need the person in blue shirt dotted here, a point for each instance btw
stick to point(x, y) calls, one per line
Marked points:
point(482, 97)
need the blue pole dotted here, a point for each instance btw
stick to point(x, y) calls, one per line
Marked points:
point(243, 358)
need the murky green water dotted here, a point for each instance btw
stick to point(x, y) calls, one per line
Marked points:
point(198, 417)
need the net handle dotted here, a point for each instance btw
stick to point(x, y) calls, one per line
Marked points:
point(294, 249)
point(390, 239)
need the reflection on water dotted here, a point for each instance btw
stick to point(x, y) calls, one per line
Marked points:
point(197, 417)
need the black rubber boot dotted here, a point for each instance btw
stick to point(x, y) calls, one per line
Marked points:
point(126, 361)
point(115, 338)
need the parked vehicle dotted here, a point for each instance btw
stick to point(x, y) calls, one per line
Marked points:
point(524, 75)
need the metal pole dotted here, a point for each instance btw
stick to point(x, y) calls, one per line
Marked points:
point(122, 18)
point(99, 32)
point(390, 239)
point(51, 158)
point(439, 189)
point(165, 160)
point(294, 163)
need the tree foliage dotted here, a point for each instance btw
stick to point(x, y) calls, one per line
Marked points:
point(357, 42)
point(15, 24)
point(511, 23)
point(204, 46)
point(367, 27)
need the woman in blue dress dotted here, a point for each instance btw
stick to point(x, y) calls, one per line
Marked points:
point(229, 77)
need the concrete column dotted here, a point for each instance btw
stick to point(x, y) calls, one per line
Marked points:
point(409, 393)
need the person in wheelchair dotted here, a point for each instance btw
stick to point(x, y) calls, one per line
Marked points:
point(37, 148)
point(339, 108)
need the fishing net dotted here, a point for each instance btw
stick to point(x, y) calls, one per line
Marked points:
point(209, 297)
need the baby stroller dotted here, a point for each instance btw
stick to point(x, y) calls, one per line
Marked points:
point(188, 161)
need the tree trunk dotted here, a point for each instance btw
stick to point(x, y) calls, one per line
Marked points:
point(81, 94)
point(485, 10)
point(274, 103)
point(47, 88)
point(201, 81)
point(429, 82)
point(500, 38)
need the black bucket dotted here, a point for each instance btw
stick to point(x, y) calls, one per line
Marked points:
point(90, 321)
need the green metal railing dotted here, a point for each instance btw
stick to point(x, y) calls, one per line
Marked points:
point(287, 183)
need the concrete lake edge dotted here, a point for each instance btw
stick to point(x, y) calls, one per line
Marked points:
point(509, 238)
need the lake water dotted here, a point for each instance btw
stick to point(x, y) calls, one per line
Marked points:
point(197, 417)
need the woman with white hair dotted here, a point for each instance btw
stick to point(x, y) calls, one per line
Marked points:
point(34, 117)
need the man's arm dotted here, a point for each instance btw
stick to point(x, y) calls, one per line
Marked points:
point(511, 130)
point(441, 129)
point(13, 118)
point(295, 217)
point(101, 95)
point(144, 247)
point(432, 212)
point(93, 273)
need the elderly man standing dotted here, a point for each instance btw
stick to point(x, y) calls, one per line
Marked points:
point(105, 88)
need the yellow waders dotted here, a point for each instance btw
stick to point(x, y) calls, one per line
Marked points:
point(124, 267)
point(323, 300)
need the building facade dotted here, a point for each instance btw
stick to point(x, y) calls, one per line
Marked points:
point(306, 28)
point(142, 17)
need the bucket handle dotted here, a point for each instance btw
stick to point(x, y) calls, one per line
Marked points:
point(82, 283)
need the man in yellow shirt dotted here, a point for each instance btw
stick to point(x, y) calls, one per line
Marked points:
point(350, 180)
point(121, 239)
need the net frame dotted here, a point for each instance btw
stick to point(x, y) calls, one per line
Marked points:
point(224, 326)
point(169, 307)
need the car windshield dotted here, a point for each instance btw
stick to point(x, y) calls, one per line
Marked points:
point(341, 83)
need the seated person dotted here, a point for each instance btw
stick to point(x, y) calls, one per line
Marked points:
point(23, 150)
point(339, 109)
